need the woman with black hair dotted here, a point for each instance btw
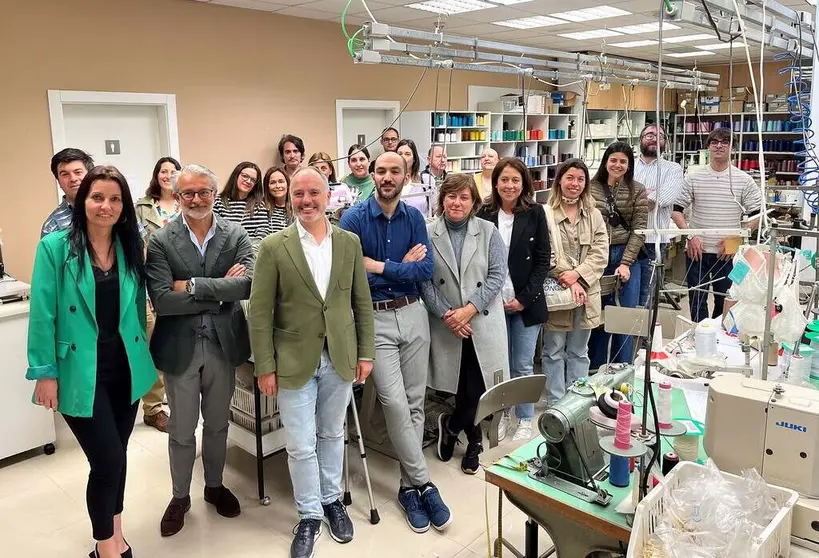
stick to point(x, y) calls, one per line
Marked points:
point(87, 346)
point(359, 180)
point(242, 201)
point(158, 206)
point(623, 203)
point(277, 198)
point(154, 211)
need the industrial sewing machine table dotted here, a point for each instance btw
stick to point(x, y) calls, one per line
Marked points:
point(577, 527)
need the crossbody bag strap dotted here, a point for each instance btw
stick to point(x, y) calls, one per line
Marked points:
point(612, 203)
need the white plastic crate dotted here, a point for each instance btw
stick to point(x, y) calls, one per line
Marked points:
point(243, 401)
point(249, 423)
point(773, 542)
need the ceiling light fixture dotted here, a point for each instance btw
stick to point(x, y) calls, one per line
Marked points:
point(592, 34)
point(591, 14)
point(530, 22)
point(721, 46)
point(451, 7)
point(687, 38)
point(634, 44)
point(645, 28)
point(691, 54)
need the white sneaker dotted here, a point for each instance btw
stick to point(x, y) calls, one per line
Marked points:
point(524, 431)
point(503, 426)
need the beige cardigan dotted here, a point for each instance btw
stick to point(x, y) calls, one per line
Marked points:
point(594, 256)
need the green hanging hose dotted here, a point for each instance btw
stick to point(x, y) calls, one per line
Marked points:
point(670, 8)
point(352, 41)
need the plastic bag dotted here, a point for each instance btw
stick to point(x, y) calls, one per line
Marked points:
point(710, 516)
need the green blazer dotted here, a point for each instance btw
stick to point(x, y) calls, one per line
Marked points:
point(289, 320)
point(62, 328)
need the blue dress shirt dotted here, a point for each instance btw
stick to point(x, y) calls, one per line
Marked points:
point(389, 240)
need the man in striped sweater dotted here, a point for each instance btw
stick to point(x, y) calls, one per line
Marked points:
point(719, 197)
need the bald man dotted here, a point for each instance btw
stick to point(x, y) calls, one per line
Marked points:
point(483, 179)
point(311, 330)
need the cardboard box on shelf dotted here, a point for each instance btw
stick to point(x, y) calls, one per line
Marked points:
point(726, 106)
point(690, 99)
point(709, 109)
point(736, 94)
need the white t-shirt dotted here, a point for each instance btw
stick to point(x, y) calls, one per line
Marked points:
point(505, 222)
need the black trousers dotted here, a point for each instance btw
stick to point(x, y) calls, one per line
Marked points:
point(470, 388)
point(104, 439)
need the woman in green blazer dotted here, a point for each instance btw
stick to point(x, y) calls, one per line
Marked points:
point(87, 345)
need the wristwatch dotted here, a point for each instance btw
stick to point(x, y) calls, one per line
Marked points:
point(190, 287)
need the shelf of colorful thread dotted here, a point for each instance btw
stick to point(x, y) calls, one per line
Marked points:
point(623, 446)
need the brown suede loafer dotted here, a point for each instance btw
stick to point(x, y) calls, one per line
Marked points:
point(174, 518)
point(227, 505)
point(158, 421)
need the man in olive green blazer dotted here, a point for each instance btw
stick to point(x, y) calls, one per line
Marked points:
point(312, 334)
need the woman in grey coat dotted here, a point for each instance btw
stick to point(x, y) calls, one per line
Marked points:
point(468, 345)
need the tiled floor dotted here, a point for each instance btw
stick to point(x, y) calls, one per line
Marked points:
point(42, 508)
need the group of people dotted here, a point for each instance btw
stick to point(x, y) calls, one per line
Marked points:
point(455, 303)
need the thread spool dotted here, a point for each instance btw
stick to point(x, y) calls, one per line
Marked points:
point(705, 340)
point(664, 405)
point(622, 432)
point(687, 448)
point(796, 370)
point(669, 461)
point(608, 403)
point(618, 471)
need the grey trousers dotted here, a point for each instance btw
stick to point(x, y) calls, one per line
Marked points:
point(400, 376)
point(207, 383)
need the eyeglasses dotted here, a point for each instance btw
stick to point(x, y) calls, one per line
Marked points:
point(389, 140)
point(724, 143)
point(652, 135)
point(247, 178)
point(203, 195)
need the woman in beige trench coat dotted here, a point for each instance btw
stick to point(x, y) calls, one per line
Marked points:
point(580, 229)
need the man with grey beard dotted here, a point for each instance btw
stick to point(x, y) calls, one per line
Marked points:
point(199, 268)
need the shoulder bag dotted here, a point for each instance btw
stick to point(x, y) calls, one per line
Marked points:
point(558, 297)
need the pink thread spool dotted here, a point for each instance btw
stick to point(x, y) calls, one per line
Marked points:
point(664, 406)
point(622, 433)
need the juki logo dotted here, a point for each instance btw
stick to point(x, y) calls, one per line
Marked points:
point(791, 426)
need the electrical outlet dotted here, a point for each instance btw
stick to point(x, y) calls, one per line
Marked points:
point(605, 86)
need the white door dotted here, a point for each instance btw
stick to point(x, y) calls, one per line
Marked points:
point(357, 120)
point(130, 137)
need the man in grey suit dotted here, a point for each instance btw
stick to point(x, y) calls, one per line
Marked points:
point(199, 268)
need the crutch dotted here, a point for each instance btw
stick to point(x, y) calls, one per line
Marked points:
point(353, 409)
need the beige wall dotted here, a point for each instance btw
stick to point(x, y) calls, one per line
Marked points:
point(241, 79)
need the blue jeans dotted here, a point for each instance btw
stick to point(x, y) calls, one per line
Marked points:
point(645, 270)
point(622, 346)
point(708, 268)
point(565, 357)
point(522, 345)
point(313, 419)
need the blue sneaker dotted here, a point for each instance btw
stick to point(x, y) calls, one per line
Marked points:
point(410, 501)
point(438, 512)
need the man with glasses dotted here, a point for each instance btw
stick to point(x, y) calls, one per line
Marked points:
point(662, 198)
point(389, 142)
point(718, 197)
point(199, 268)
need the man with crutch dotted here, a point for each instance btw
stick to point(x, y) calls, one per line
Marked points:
point(397, 258)
point(311, 330)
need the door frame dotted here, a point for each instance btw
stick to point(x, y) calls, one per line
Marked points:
point(57, 99)
point(364, 104)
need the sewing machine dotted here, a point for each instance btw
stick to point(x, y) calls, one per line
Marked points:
point(573, 458)
point(773, 428)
